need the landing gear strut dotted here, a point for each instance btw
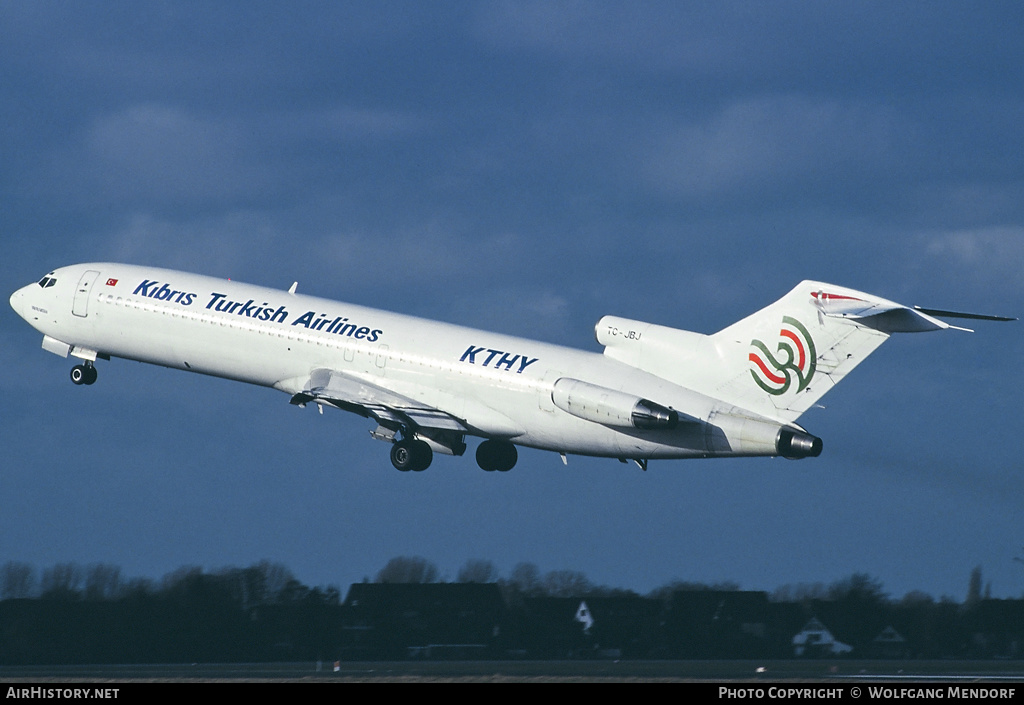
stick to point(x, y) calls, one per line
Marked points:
point(411, 454)
point(83, 374)
point(494, 455)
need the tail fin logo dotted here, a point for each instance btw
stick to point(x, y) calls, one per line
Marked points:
point(794, 361)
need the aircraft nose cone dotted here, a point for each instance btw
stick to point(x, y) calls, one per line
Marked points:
point(16, 298)
point(18, 302)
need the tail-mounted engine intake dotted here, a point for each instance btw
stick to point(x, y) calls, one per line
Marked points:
point(611, 408)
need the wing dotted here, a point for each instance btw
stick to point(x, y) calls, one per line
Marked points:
point(390, 409)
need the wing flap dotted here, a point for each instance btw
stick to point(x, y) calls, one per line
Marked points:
point(389, 408)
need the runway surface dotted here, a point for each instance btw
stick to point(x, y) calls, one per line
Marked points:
point(520, 671)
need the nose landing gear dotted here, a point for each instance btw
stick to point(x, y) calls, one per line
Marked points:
point(83, 374)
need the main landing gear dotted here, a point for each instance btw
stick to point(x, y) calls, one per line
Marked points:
point(411, 454)
point(83, 374)
point(500, 456)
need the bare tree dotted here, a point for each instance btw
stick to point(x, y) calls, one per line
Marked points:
point(138, 588)
point(17, 580)
point(566, 583)
point(477, 570)
point(799, 592)
point(974, 588)
point(276, 577)
point(292, 591)
point(180, 576)
point(262, 583)
point(62, 582)
point(181, 582)
point(526, 579)
point(666, 591)
point(917, 598)
point(859, 587)
point(408, 569)
point(102, 581)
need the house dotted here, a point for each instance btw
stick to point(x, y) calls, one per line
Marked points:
point(889, 644)
point(816, 640)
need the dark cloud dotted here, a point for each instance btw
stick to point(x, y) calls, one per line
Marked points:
point(525, 167)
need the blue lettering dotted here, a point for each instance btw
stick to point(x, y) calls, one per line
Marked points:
point(153, 289)
point(470, 354)
point(491, 356)
point(506, 361)
point(280, 315)
point(305, 319)
point(526, 363)
point(247, 309)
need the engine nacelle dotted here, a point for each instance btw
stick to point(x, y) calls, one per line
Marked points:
point(611, 408)
point(795, 444)
point(740, 434)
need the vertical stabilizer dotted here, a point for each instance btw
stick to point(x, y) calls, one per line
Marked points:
point(784, 358)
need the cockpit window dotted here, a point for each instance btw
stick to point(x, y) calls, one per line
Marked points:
point(47, 281)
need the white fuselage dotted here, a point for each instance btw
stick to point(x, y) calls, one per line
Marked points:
point(501, 386)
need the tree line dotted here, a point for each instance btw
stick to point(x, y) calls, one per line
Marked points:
point(270, 582)
point(71, 613)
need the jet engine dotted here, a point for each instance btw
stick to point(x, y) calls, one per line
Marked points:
point(611, 408)
point(795, 444)
point(735, 432)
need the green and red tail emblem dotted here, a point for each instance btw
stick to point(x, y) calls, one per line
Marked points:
point(792, 363)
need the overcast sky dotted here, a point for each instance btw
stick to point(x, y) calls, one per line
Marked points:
point(524, 167)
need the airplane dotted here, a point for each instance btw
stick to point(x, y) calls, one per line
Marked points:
point(654, 392)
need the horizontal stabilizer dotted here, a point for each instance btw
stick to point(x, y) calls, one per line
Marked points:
point(957, 314)
point(890, 317)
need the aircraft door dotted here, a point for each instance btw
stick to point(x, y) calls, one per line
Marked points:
point(382, 358)
point(80, 307)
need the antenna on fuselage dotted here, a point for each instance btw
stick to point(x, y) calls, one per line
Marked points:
point(294, 286)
